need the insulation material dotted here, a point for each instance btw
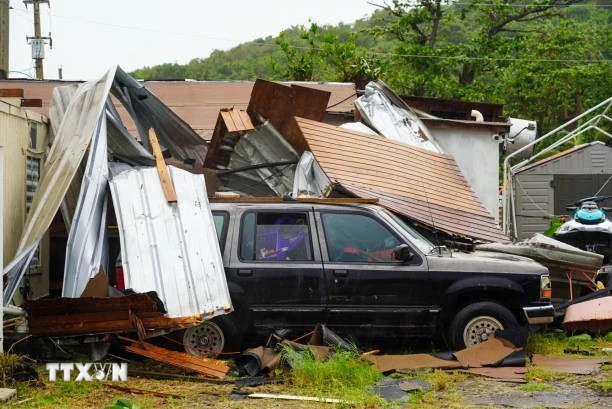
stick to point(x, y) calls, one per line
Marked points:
point(391, 117)
point(171, 249)
point(310, 180)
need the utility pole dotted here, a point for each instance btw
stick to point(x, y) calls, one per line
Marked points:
point(4, 39)
point(38, 42)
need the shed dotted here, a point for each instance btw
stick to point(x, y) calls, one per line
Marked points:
point(544, 188)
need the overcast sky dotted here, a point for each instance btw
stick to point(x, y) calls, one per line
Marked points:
point(90, 36)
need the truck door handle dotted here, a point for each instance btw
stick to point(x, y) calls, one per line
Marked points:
point(340, 273)
point(245, 272)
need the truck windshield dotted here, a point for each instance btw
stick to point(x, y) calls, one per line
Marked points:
point(415, 237)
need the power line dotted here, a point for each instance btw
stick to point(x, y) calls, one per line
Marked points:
point(387, 54)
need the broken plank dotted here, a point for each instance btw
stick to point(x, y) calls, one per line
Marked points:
point(292, 397)
point(206, 366)
point(162, 169)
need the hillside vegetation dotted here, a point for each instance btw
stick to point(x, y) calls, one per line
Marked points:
point(546, 60)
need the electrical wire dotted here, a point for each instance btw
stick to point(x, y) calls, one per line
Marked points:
point(386, 54)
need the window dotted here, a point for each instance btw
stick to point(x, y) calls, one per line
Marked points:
point(353, 237)
point(220, 220)
point(33, 136)
point(275, 237)
point(32, 179)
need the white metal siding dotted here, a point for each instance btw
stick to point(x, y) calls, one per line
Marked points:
point(18, 181)
point(170, 248)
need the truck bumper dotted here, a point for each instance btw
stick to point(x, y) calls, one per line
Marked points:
point(541, 314)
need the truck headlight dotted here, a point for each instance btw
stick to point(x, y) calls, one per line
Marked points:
point(545, 286)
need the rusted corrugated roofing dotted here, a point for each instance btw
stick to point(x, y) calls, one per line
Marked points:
point(196, 102)
point(419, 184)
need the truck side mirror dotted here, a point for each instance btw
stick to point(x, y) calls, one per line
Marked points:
point(403, 253)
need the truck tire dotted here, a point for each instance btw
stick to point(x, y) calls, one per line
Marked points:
point(475, 322)
point(211, 338)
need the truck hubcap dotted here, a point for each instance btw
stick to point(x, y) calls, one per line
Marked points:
point(479, 329)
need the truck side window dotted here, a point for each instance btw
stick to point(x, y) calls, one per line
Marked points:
point(220, 220)
point(353, 237)
point(271, 236)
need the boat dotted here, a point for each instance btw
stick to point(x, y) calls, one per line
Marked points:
point(589, 227)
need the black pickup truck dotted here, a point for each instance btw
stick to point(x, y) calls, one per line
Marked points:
point(362, 271)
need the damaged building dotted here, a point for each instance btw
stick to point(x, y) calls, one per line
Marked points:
point(128, 182)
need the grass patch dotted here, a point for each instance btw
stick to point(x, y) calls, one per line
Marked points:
point(603, 386)
point(537, 387)
point(556, 343)
point(537, 374)
point(343, 376)
point(443, 392)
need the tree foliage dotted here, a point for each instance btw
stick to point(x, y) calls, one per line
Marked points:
point(546, 60)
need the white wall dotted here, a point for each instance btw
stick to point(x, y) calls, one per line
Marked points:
point(477, 155)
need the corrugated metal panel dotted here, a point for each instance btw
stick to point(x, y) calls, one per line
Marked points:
point(534, 204)
point(261, 146)
point(65, 156)
point(148, 111)
point(15, 140)
point(87, 248)
point(171, 249)
point(419, 184)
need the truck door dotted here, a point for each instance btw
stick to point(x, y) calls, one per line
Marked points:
point(367, 288)
point(277, 270)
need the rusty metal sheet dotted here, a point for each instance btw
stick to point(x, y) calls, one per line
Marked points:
point(490, 352)
point(88, 315)
point(196, 102)
point(506, 374)
point(418, 184)
point(280, 103)
point(592, 315)
point(384, 363)
point(578, 366)
point(205, 366)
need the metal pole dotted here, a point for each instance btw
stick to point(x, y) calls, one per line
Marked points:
point(4, 39)
point(506, 199)
point(2, 249)
point(38, 61)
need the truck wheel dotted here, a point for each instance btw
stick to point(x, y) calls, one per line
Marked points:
point(210, 338)
point(475, 322)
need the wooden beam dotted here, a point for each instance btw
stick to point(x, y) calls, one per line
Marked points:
point(205, 366)
point(328, 200)
point(31, 102)
point(162, 169)
point(11, 93)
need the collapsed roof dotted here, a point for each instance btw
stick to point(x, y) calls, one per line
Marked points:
point(89, 131)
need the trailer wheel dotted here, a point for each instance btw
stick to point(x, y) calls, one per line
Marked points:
point(476, 322)
point(210, 338)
